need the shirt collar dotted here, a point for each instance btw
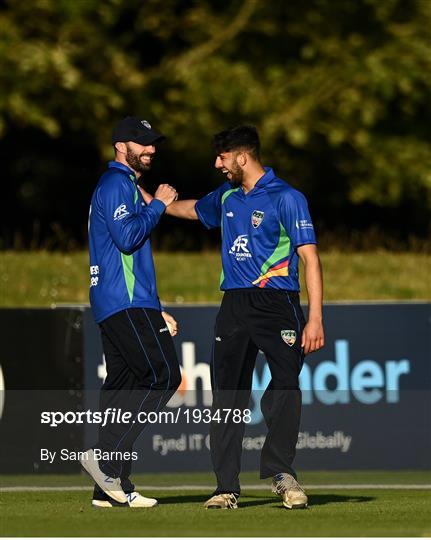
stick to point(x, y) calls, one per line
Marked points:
point(263, 180)
point(125, 168)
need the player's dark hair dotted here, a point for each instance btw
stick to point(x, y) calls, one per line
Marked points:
point(238, 138)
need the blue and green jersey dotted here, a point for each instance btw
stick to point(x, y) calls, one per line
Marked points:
point(261, 231)
point(122, 271)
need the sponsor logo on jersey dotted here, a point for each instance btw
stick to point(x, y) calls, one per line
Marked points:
point(229, 214)
point(120, 212)
point(288, 336)
point(239, 248)
point(257, 218)
point(304, 224)
point(94, 273)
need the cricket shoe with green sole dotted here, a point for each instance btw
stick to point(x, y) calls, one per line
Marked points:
point(292, 494)
point(224, 501)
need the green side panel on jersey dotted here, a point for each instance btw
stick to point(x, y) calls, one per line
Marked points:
point(223, 198)
point(280, 252)
point(127, 261)
point(221, 277)
point(129, 276)
point(222, 273)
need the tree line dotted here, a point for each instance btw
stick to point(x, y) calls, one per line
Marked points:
point(339, 90)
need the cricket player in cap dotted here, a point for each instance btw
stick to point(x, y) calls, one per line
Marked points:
point(141, 363)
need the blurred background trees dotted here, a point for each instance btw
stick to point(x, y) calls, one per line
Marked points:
point(339, 90)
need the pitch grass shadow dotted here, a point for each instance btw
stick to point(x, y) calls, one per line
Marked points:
point(313, 500)
point(183, 499)
point(317, 499)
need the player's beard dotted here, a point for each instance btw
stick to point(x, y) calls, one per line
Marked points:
point(237, 175)
point(134, 161)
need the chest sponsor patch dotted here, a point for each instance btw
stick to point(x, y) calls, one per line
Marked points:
point(257, 218)
point(239, 248)
point(288, 336)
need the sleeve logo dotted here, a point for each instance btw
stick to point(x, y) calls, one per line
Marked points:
point(121, 212)
point(304, 224)
point(94, 273)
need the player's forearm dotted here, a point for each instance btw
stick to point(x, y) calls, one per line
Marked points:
point(314, 284)
point(183, 209)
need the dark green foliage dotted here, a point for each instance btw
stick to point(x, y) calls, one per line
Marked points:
point(339, 90)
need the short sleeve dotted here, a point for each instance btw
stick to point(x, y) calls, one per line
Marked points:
point(208, 208)
point(295, 218)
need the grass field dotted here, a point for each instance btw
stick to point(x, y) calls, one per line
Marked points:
point(334, 510)
point(44, 279)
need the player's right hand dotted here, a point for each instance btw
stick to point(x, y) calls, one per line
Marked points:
point(166, 193)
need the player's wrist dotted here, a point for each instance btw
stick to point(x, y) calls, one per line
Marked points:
point(158, 205)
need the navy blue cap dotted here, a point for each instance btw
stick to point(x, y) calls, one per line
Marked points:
point(136, 130)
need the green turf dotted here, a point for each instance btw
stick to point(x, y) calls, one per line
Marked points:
point(331, 513)
point(45, 279)
point(205, 478)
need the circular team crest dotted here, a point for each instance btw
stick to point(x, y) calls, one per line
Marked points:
point(256, 218)
point(288, 336)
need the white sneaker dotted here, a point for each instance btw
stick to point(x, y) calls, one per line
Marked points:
point(134, 500)
point(111, 486)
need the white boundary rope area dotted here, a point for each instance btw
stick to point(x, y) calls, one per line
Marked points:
point(193, 487)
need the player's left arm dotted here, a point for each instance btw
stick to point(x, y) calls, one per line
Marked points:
point(313, 337)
